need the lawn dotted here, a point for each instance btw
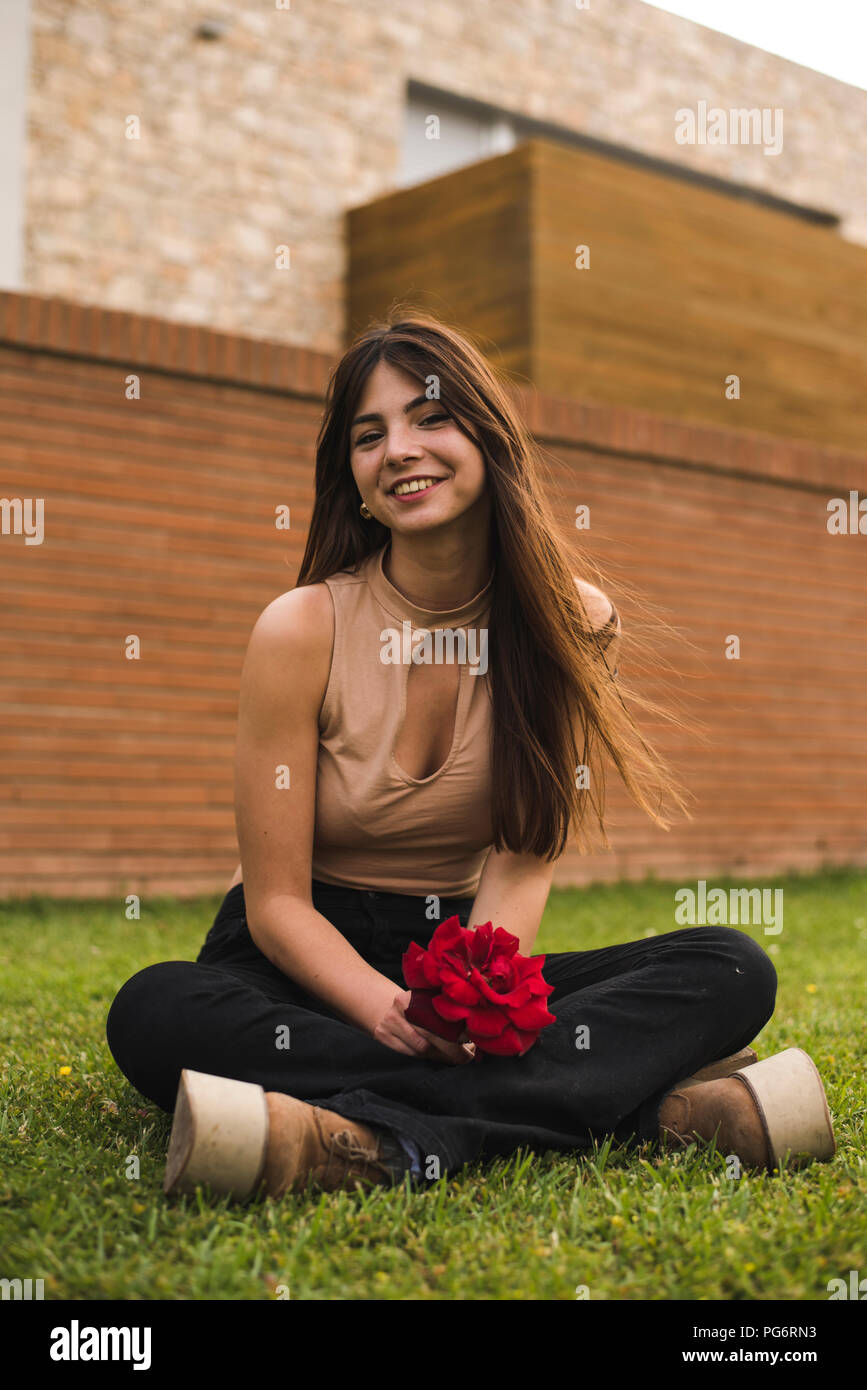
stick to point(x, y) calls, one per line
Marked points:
point(620, 1223)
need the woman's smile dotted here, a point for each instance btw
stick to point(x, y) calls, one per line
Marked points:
point(415, 489)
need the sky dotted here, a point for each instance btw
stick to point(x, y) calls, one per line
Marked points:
point(830, 37)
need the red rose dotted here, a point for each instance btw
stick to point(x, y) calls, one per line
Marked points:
point(477, 981)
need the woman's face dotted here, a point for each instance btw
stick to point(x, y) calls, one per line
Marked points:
point(411, 436)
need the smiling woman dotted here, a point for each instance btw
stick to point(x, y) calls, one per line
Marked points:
point(419, 790)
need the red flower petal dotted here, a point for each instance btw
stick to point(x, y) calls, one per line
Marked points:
point(528, 967)
point(412, 962)
point(430, 970)
point(501, 975)
point(531, 1017)
point(447, 1008)
point(480, 947)
point(420, 1010)
point(511, 1043)
point(451, 972)
point(515, 997)
point(505, 943)
point(460, 990)
point(448, 934)
point(458, 952)
point(539, 990)
point(486, 1023)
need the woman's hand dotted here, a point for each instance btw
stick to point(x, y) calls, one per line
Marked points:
point(396, 1032)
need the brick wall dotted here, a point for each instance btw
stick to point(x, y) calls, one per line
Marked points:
point(266, 136)
point(159, 523)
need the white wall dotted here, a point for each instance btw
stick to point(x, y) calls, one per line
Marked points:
point(14, 85)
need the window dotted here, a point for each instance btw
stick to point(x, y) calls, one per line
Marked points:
point(466, 133)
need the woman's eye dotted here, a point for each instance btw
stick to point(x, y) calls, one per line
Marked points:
point(372, 434)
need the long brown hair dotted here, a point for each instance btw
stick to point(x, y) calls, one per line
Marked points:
point(549, 678)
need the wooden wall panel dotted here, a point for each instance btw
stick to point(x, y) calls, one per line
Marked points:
point(687, 286)
point(458, 246)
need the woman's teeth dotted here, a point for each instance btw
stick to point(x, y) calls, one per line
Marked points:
point(417, 485)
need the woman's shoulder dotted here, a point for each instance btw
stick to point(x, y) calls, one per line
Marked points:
point(599, 608)
point(289, 652)
point(298, 624)
point(304, 608)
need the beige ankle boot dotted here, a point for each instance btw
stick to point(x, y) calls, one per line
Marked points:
point(771, 1113)
point(239, 1139)
point(309, 1144)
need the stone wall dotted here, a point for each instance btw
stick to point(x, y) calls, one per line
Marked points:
point(262, 138)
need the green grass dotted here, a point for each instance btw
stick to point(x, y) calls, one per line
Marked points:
point(627, 1225)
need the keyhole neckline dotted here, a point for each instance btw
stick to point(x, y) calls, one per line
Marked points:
point(460, 714)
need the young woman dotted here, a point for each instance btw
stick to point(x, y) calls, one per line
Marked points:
point(377, 797)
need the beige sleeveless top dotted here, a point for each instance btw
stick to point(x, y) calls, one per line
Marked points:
point(376, 827)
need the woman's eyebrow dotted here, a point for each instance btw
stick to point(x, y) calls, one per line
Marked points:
point(375, 415)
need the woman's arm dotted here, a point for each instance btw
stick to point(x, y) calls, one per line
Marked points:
point(512, 893)
point(283, 681)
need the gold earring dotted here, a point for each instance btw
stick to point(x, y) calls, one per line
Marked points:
point(365, 512)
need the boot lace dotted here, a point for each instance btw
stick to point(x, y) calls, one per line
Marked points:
point(347, 1152)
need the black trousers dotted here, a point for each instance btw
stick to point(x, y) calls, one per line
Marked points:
point(632, 1020)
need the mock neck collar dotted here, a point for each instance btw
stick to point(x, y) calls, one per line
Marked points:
point(400, 607)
